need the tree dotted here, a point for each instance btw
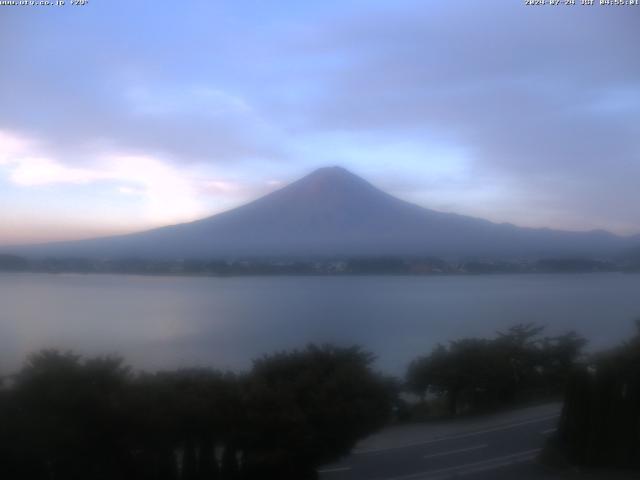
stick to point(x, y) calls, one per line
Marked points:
point(474, 374)
point(69, 416)
point(309, 407)
point(66, 417)
point(600, 422)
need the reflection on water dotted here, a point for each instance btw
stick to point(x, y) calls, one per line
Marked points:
point(164, 322)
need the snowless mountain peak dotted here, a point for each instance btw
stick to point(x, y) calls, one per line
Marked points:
point(333, 212)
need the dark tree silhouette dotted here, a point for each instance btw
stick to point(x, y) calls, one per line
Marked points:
point(474, 374)
point(309, 407)
point(600, 422)
point(65, 417)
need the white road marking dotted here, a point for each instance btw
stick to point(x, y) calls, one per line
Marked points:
point(453, 452)
point(469, 468)
point(548, 431)
point(458, 436)
point(334, 470)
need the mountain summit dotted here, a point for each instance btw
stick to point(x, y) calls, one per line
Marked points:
point(330, 187)
point(332, 212)
point(330, 176)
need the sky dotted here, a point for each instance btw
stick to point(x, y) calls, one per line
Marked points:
point(119, 116)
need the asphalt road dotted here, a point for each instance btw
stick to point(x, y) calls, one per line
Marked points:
point(495, 447)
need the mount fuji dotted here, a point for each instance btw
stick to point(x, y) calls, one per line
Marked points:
point(330, 213)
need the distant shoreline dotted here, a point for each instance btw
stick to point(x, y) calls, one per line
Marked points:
point(339, 266)
point(310, 275)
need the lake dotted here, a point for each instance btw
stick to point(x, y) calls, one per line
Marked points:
point(166, 322)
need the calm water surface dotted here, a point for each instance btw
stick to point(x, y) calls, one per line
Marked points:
point(165, 322)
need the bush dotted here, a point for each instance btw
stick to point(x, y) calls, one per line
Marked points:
point(477, 374)
point(65, 417)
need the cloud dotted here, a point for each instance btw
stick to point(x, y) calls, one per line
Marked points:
point(169, 194)
point(103, 81)
point(489, 108)
point(11, 145)
point(538, 99)
point(34, 171)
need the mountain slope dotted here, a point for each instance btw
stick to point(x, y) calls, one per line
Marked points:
point(333, 212)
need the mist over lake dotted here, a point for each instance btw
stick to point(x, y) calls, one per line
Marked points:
point(167, 322)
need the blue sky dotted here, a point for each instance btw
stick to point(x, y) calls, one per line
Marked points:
point(120, 116)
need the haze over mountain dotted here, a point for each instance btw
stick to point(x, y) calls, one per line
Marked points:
point(332, 212)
